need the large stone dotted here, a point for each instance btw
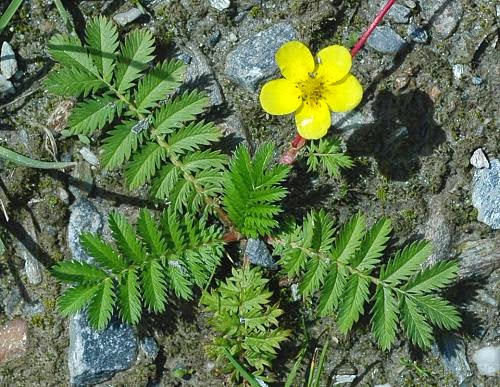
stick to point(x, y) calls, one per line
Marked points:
point(442, 15)
point(478, 258)
point(220, 5)
point(25, 249)
point(95, 356)
point(438, 230)
point(6, 87)
point(13, 340)
point(386, 41)
point(486, 194)
point(252, 61)
point(124, 18)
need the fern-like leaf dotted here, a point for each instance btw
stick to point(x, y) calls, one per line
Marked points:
point(414, 324)
point(101, 306)
point(349, 238)
point(252, 191)
point(165, 181)
point(91, 115)
point(161, 80)
point(130, 297)
point(372, 246)
point(72, 82)
point(102, 38)
point(384, 317)
point(68, 50)
point(335, 283)
point(135, 54)
point(76, 298)
point(433, 278)
point(352, 302)
point(102, 252)
point(406, 262)
point(120, 144)
point(180, 110)
point(439, 311)
point(125, 237)
point(326, 154)
point(151, 234)
point(154, 285)
point(192, 137)
point(144, 165)
point(78, 272)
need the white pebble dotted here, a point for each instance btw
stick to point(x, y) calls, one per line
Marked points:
point(8, 63)
point(124, 18)
point(487, 360)
point(220, 5)
point(479, 159)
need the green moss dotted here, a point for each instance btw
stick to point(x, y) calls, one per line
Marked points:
point(256, 11)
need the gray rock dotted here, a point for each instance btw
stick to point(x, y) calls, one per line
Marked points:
point(8, 63)
point(200, 75)
point(439, 230)
point(95, 356)
point(418, 34)
point(451, 351)
point(486, 194)
point(89, 156)
point(124, 18)
point(487, 360)
point(220, 5)
point(6, 87)
point(386, 41)
point(459, 70)
point(399, 14)
point(82, 181)
point(478, 258)
point(12, 302)
point(84, 217)
point(24, 249)
point(149, 347)
point(257, 253)
point(214, 38)
point(477, 80)
point(252, 61)
point(443, 15)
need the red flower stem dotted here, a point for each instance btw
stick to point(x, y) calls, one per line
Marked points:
point(298, 142)
point(361, 42)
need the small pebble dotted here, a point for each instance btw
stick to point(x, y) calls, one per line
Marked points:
point(487, 360)
point(214, 38)
point(8, 63)
point(479, 159)
point(418, 34)
point(124, 18)
point(220, 5)
point(386, 41)
point(477, 80)
point(89, 156)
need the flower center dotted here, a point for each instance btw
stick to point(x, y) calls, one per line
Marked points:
point(311, 89)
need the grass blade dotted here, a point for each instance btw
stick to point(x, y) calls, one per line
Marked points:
point(24, 161)
point(246, 375)
point(9, 13)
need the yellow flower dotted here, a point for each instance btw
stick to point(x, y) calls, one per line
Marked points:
point(312, 88)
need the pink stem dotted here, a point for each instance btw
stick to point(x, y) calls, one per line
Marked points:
point(361, 42)
point(298, 142)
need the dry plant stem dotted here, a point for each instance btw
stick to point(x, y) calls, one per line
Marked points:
point(298, 142)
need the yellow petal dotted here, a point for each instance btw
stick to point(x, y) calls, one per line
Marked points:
point(313, 120)
point(295, 61)
point(334, 63)
point(344, 95)
point(280, 97)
